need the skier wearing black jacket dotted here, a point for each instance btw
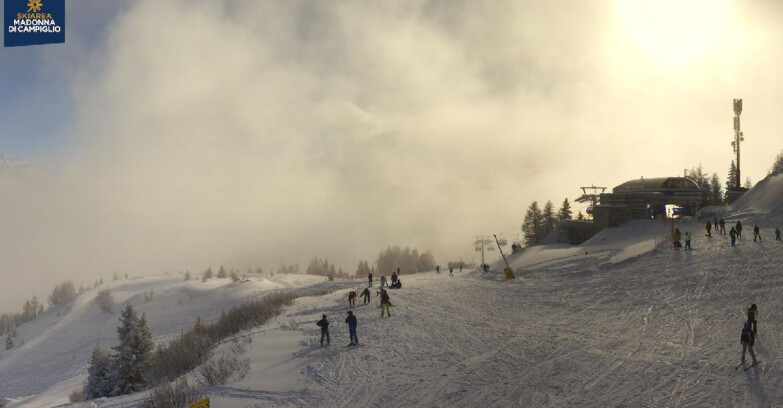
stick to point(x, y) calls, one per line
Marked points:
point(351, 320)
point(324, 325)
point(366, 295)
point(385, 302)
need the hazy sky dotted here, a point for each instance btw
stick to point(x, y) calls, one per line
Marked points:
point(172, 134)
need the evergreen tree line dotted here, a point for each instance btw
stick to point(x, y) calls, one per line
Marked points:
point(31, 309)
point(364, 268)
point(62, 294)
point(409, 260)
point(539, 222)
point(322, 267)
point(235, 274)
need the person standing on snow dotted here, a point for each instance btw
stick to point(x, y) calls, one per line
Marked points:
point(324, 325)
point(366, 295)
point(352, 298)
point(437, 269)
point(385, 302)
point(688, 240)
point(753, 314)
point(709, 228)
point(715, 219)
point(369, 278)
point(733, 235)
point(398, 271)
point(451, 271)
point(351, 320)
point(756, 233)
point(738, 227)
point(383, 282)
point(777, 234)
point(676, 236)
point(747, 339)
point(722, 224)
point(394, 278)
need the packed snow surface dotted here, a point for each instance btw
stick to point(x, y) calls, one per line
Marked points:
point(622, 320)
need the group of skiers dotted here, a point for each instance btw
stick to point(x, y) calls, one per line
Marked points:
point(720, 227)
point(451, 270)
point(351, 319)
point(677, 235)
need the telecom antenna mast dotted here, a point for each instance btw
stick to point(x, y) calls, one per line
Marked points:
point(737, 139)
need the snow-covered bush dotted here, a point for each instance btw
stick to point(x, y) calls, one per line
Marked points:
point(76, 395)
point(62, 294)
point(177, 395)
point(186, 352)
point(229, 366)
point(105, 300)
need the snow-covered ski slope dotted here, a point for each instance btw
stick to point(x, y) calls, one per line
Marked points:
point(57, 344)
point(620, 321)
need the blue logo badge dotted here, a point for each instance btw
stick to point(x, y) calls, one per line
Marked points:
point(31, 22)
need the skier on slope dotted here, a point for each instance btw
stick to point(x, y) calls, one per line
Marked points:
point(385, 303)
point(753, 314)
point(324, 325)
point(733, 235)
point(722, 224)
point(709, 228)
point(739, 229)
point(747, 339)
point(688, 240)
point(351, 320)
point(777, 233)
point(366, 295)
point(756, 233)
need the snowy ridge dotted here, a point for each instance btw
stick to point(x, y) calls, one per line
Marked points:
point(764, 202)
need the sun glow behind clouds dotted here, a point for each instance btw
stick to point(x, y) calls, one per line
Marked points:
point(673, 31)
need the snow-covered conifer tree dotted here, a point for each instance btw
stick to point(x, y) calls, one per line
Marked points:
point(133, 352)
point(99, 375)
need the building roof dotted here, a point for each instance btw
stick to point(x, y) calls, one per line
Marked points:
point(657, 184)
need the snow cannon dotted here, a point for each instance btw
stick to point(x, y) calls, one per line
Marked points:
point(507, 270)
